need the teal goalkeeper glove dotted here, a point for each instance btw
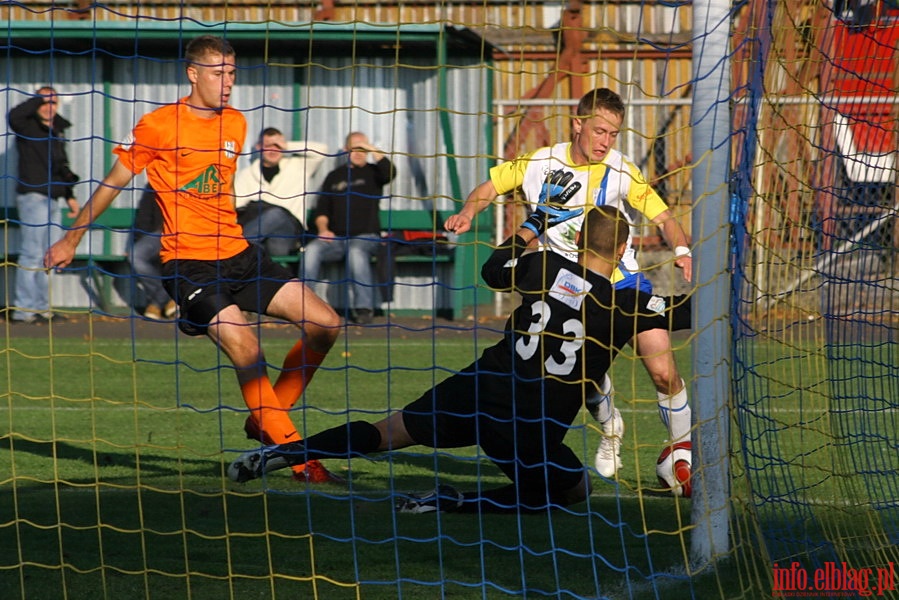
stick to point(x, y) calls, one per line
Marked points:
point(553, 197)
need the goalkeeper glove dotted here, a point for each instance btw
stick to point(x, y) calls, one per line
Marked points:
point(553, 196)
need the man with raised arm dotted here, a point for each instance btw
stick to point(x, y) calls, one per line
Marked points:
point(585, 172)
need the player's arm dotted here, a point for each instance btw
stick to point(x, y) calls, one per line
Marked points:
point(499, 269)
point(645, 199)
point(677, 238)
point(504, 178)
point(549, 212)
point(62, 252)
point(478, 200)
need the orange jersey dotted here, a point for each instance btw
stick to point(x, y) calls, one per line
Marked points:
point(190, 163)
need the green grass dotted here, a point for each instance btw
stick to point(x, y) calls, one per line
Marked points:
point(112, 456)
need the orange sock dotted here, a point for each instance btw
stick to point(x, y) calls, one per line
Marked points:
point(265, 408)
point(300, 365)
point(271, 417)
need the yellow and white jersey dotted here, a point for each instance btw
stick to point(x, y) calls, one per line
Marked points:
point(615, 181)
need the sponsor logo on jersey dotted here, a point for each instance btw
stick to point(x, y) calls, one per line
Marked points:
point(570, 289)
point(230, 149)
point(207, 182)
point(656, 304)
point(127, 142)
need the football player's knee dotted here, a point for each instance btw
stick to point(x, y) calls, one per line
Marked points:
point(330, 330)
point(330, 320)
point(666, 379)
point(323, 324)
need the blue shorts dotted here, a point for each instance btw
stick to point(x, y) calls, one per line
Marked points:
point(633, 281)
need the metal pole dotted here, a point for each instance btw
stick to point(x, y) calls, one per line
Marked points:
point(711, 123)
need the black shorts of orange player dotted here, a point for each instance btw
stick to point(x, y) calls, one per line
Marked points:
point(203, 288)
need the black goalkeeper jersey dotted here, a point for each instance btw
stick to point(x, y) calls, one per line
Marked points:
point(570, 325)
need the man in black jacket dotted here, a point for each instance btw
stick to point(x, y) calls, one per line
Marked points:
point(44, 178)
point(518, 400)
point(348, 221)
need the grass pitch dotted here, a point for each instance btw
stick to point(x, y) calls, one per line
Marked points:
point(112, 458)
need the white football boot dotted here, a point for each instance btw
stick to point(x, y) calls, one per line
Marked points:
point(608, 455)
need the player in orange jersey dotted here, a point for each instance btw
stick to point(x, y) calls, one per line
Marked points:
point(189, 151)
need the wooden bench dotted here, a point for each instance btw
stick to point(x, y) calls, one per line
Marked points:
point(423, 282)
point(449, 280)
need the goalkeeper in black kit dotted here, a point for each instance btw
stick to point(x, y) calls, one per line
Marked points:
point(519, 399)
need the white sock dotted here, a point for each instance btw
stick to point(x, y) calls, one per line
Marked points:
point(675, 413)
point(599, 403)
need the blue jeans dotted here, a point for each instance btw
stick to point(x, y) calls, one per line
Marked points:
point(358, 252)
point(40, 227)
point(272, 227)
point(147, 267)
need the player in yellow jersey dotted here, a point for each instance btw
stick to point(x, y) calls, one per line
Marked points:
point(584, 172)
point(189, 151)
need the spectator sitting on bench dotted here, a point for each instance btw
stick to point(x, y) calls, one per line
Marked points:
point(270, 193)
point(348, 222)
point(143, 255)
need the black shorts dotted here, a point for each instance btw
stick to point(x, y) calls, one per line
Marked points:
point(202, 288)
point(507, 419)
